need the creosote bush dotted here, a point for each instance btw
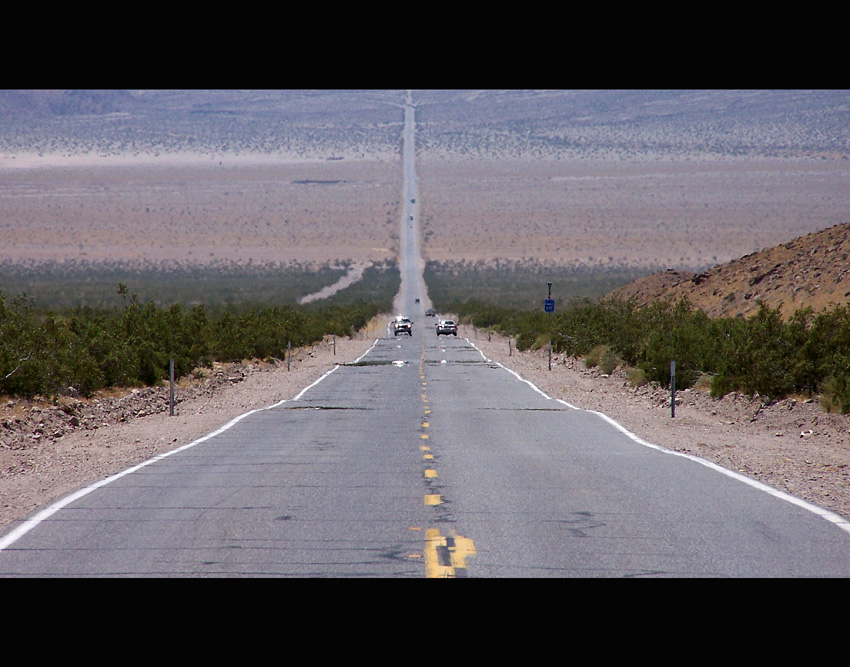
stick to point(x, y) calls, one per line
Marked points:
point(83, 350)
point(603, 358)
point(806, 354)
point(835, 395)
point(636, 377)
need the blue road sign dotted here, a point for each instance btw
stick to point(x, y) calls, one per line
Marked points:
point(549, 305)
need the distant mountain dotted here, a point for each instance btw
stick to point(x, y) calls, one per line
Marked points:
point(261, 122)
point(41, 103)
point(176, 104)
point(602, 123)
point(467, 123)
point(812, 270)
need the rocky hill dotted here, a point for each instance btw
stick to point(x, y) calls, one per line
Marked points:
point(812, 270)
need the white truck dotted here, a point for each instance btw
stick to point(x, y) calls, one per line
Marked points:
point(401, 325)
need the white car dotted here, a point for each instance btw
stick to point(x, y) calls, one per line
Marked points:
point(446, 327)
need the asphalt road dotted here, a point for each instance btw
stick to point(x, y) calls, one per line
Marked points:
point(547, 490)
point(424, 459)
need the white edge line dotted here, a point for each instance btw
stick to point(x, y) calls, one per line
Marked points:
point(298, 396)
point(367, 351)
point(832, 517)
point(27, 525)
point(512, 372)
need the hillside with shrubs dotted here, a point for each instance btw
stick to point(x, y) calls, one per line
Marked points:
point(767, 349)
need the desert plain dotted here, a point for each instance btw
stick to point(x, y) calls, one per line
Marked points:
point(187, 210)
point(642, 180)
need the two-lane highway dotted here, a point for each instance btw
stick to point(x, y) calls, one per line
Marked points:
point(425, 459)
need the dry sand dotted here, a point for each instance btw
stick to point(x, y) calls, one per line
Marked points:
point(200, 210)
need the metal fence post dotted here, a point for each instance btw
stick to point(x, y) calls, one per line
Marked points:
point(549, 307)
point(672, 388)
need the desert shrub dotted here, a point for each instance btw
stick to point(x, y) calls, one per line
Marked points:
point(827, 350)
point(602, 357)
point(482, 314)
point(835, 394)
point(519, 284)
point(608, 361)
point(675, 332)
point(44, 353)
point(722, 385)
point(636, 377)
point(623, 328)
point(763, 354)
point(591, 359)
point(703, 382)
point(581, 328)
point(526, 328)
point(541, 342)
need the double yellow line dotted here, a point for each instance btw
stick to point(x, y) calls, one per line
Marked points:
point(445, 556)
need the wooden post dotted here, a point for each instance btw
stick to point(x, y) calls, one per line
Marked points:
point(171, 387)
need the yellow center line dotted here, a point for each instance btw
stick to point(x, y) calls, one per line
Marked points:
point(445, 557)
